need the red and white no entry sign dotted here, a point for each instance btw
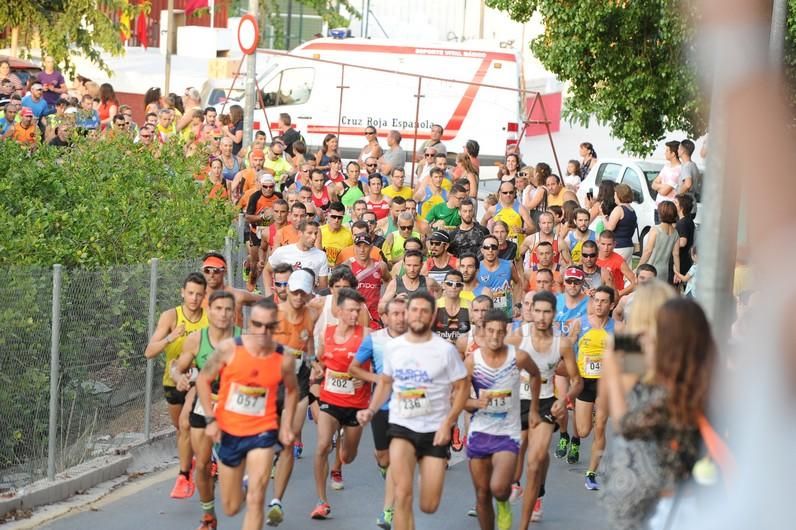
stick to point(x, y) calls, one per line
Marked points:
point(248, 34)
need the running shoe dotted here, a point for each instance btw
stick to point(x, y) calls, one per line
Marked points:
point(536, 514)
point(516, 493)
point(382, 471)
point(334, 441)
point(573, 456)
point(456, 439)
point(561, 450)
point(591, 481)
point(298, 448)
point(385, 519)
point(183, 488)
point(246, 271)
point(504, 516)
point(321, 511)
point(337, 480)
point(275, 514)
point(208, 522)
point(472, 512)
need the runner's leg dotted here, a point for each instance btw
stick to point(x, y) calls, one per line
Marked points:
point(481, 472)
point(583, 418)
point(538, 457)
point(350, 444)
point(284, 466)
point(258, 466)
point(598, 444)
point(402, 469)
point(183, 431)
point(327, 426)
point(230, 482)
point(202, 448)
point(432, 478)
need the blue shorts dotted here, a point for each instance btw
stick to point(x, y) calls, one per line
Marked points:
point(233, 449)
point(482, 445)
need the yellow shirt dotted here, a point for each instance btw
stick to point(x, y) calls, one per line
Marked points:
point(514, 220)
point(393, 192)
point(334, 242)
point(174, 349)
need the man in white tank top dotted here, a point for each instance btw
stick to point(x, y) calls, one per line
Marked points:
point(494, 440)
point(547, 350)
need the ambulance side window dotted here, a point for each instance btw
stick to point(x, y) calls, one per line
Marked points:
point(296, 86)
point(270, 91)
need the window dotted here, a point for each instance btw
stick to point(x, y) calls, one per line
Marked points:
point(290, 87)
point(607, 172)
point(632, 179)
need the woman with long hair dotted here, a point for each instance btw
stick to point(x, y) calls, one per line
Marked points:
point(153, 101)
point(466, 169)
point(623, 221)
point(534, 197)
point(108, 106)
point(602, 205)
point(508, 171)
point(234, 130)
point(659, 244)
point(588, 159)
point(372, 147)
point(658, 421)
point(325, 153)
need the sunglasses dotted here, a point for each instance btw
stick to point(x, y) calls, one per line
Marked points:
point(370, 132)
point(372, 222)
point(269, 326)
point(573, 282)
point(523, 174)
point(214, 270)
point(406, 227)
point(338, 217)
point(489, 247)
point(507, 192)
point(455, 285)
point(269, 186)
point(435, 243)
point(428, 155)
point(583, 255)
point(280, 284)
point(371, 165)
point(146, 136)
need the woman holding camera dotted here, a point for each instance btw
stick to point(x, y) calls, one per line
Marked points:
point(657, 421)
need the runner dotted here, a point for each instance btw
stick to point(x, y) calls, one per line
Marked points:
point(214, 268)
point(341, 395)
point(334, 236)
point(546, 234)
point(644, 273)
point(371, 275)
point(245, 422)
point(468, 266)
point(441, 261)
point(372, 351)
point(173, 326)
point(577, 237)
point(547, 350)
point(494, 439)
point(474, 339)
point(592, 332)
point(410, 282)
point(510, 211)
point(452, 318)
point(411, 244)
point(268, 234)
point(501, 276)
point(615, 265)
point(301, 254)
point(294, 334)
point(421, 372)
point(594, 276)
point(196, 350)
point(543, 253)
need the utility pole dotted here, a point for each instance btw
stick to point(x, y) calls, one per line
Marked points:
point(249, 99)
point(169, 30)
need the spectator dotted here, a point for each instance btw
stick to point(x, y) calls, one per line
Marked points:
point(572, 179)
point(472, 148)
point(8, 120)
point(53, 82)
point(108, 106)
point(25, 132)
point(434, 141)
point(153, 101)
point(191, 102)
point(667, 180)
point(623, 221)
point(63, 134)
point(87, 118)
point(588, 159)
point(686, 231)
point(466, 169)
point(166, 127)
point(234, 129)
point(9, 83)
point(690, 176)
point(394, 156)
point(289, 134)
point(660, 242)
point(372, 147)
point(325, 153)
point(508, 171)
point(35, 101)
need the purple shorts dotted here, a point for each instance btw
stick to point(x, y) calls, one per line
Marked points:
point(482, 445)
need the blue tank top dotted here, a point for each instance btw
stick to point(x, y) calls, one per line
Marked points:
point(229, 173)
point(499, 282)
point(625, 228)
point(564, 314)
point(515, 206)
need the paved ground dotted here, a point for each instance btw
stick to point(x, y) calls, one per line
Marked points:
point(144, 503)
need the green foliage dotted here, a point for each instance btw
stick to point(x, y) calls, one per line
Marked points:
point(68, 26)
point(103, 203)
point(328, 10)
point(626, 62)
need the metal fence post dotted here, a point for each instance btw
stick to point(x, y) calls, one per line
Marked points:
point(228, 257)
point(55, 353)
point(237, 279)
point(150, 363)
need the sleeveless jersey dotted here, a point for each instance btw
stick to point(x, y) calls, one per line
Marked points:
point(531, 258)
point(438, 273)
point(334, 242)
point(338, 385)
point(174, 349)
point(323, 201)
point(501, 386)
point(206, 347)
point(247, 392)
point(576, 246)
point(294, 336)
point(469, 296)
point(590, 346)
point(450, 327)
point(350, 195)
point(380, 208)
point(499, 282)
point(369, 286)
point(566, 314)
point(400, 287)
point(546, 361)
point(430, 200)
point(325, 318)
point(513, 219)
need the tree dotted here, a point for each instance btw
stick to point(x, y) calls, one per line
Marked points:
point(64, 27)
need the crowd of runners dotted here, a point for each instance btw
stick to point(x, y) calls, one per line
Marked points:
point(370, 301)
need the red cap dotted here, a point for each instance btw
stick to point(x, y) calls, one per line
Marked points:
point(258, 153)
point(574, 272)
point(26, 112)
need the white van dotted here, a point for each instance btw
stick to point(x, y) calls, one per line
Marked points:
point(306, 86)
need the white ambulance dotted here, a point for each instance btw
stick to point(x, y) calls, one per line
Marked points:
point(472, 90)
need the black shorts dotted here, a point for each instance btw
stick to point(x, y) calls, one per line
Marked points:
point(525, 409)
point(346, 416)
point(423, 442)
point(196, 421)
point(303, 377)
point(589, 392)
point(251, 238)
point(545, 411)
point(173, 396)
point(379, 426)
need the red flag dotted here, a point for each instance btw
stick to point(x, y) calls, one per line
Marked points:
point(140, 28)
point(193, 5)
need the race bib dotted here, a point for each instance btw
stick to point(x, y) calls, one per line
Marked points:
point(298, 355)
point(525, 386)
point(498, 401)
point(592, 366)
point(259, 231)
point(414, 402)
point(339, 383)
point(499, 299)
point(246, 400)
point(198, 410)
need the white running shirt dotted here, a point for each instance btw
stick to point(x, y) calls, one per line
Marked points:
point(546, 361)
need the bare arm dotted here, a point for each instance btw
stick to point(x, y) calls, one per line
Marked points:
point(517, 283)
point(181, 365)
point(380, 395)
point(217, 360)
point(164, 334)
point(389, 294)
point(631, 279)
point(616, 215)
point(289, 380)
point(649, 246)
point(525, 362)
point(461, 392)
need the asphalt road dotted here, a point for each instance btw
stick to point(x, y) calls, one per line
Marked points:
point(145, 503)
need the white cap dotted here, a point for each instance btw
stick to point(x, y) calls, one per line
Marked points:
point(300, 280)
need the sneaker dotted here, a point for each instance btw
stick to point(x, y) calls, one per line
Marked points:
point(298, 448)
point(321, 511)
point(385, 519)
point(504, 516)
point(456, 439)
point(561, 450)
point(382, 471)
point(472, 512)
point(183, 488)
point(208, 522)
point(573, 456)
point(337, 480)
point(591, 481)
point(246, 271)
point(536, 515)
point(516, 493)
point(275, 514)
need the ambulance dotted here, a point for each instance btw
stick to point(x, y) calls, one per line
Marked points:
point(342, 86)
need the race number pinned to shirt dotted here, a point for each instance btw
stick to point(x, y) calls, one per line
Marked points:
point(413, 402)
point(498, 401)
point(298, 355)
point(525, 385)
point(339, 383)
point(246, 400)
point(592, 366)
point(198, 410)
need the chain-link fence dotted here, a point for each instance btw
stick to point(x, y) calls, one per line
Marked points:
point(101, 394)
